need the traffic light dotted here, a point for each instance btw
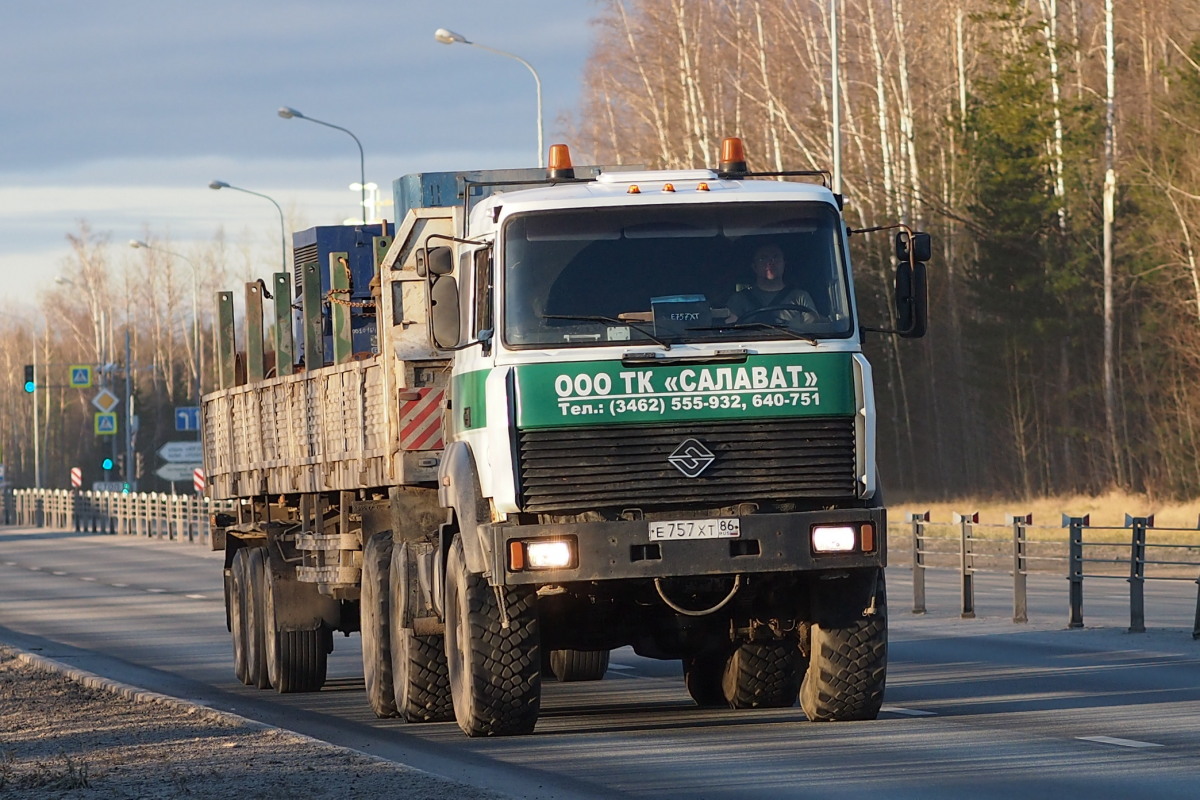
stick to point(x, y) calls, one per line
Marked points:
point(121, 464)
point(139, 466)
point(106, 464)
point(30, 380)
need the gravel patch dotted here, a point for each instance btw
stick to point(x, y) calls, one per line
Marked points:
point(65, 733)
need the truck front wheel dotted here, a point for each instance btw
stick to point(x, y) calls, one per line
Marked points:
point(495, 676)
point(847, 664)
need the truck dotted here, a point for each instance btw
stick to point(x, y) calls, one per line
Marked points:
point(522, 428)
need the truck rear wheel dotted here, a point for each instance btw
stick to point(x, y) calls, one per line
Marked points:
point(702, 677)
point(569, 666)
point(420, 674)
point(296, 660)
point(762, 675)
point(238, 602)
point(256, 635)
point(847, 665)
point(495, 676)
point(373, 616)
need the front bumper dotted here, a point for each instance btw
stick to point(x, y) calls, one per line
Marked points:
point(623, 550)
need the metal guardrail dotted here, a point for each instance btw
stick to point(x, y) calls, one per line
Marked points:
point(151, 514)
point(1017, 559)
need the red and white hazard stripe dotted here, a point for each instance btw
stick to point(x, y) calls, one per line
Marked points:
point(421, 420)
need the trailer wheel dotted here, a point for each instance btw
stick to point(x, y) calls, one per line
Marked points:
point(702, 675)
point(420, 674)
point(297, 661)
point(847, 666)
point(762, 675)
point(495, 676)
point(238, 598)
point(373, 613)
point(569, 666)
point(256, 613)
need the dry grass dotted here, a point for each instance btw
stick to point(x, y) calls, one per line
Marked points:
point(1105, 511)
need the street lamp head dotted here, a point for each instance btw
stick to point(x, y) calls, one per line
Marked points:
point(138, 243)
point(218, 185)
point(449, 37)
point(288, 113)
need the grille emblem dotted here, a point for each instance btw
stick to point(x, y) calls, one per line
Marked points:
point(691, 458)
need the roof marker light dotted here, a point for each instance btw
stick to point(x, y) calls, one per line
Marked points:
point(733, 157)
point(702, 186)
point(633, 189)
point(560, 162)
point(668, 187)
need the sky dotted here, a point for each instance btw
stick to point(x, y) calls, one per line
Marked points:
point(120, 113)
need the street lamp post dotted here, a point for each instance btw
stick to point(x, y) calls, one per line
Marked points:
point(282, 225)
point(290, 113)
point(450, 37)
point(138, 244)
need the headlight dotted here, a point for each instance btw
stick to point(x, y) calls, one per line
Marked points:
point(833, 538)
point(541, 554)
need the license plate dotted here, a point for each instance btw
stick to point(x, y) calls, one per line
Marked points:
point(719, 528)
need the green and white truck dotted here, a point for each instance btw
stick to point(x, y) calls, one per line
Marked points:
point(561, 441)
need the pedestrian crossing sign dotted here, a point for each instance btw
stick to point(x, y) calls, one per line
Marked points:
point(81, 376)
point(106, 424)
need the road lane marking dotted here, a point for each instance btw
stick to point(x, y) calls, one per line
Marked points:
point(1118, 742)
point(157, 591)
point(620, 666)
point(87, 578)
point(908, 712)
point(119, 585)
point(60, 574)
point(10, 563)
point(196, 597)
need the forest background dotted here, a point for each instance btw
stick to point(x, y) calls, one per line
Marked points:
point(1052, 147)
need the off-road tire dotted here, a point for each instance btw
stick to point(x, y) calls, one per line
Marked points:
point(847, 666)
point(495, 675)
point(420, 674)
point(569, 666)
point(762, 675)
point(702, 675)
point(256, 612)
point(297, 661)
point(374, 611)
point(238, 602)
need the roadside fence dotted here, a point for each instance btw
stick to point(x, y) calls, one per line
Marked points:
point(1088, 554)
point(181, 517)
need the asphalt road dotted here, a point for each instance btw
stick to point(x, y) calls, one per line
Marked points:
point(980, 707)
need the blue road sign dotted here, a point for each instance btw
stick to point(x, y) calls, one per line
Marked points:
point(81, 376)
point(187, 418)
point(106, 424)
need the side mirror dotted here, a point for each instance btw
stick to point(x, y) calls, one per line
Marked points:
point(912, 299)
point(917, 247)
point(440, 261)
point(446, 327)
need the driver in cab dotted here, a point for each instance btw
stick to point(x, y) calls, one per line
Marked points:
point(769, 300)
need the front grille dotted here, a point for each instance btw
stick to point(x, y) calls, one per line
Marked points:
point(623, 466)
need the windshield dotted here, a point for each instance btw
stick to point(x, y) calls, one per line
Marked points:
point(674, 274)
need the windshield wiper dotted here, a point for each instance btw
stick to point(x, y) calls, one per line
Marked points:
point(611, 321)
point(741, 326)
